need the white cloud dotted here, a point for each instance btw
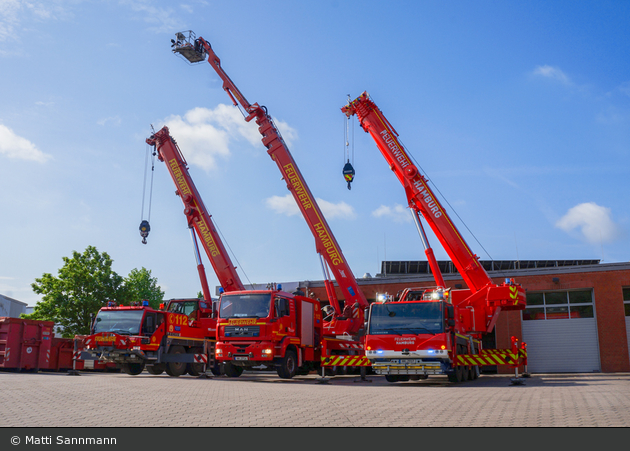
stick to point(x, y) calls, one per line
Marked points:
point(289, 135)
point(205, 135)
point(625, 88)
point(594, 222)
point(397, 213)
point(340, 210)
point(113, 120)
point(286, 205)
point(15, 12)
point(163, 20)
point(552, 73)
point(16, 147)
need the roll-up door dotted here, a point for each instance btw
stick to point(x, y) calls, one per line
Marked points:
point(560, 330)
point(626, 306)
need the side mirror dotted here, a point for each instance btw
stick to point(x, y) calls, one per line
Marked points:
point(450, 311)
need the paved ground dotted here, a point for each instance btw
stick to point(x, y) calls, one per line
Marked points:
point(261, 400)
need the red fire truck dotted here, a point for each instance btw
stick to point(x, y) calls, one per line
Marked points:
point(437, 330)
point(182, 337)
point(286, 331)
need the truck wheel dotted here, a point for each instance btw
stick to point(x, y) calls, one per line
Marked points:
point(288, 366)
point(455, 376)
point(176, 369)
point(195, 369)
point(156, 369)
point(216, 369)
point(133, 369)
point(391, 378)
point(232, 370)
point(465, 373)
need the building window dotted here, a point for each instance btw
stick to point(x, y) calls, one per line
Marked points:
point(563, 305)
point(626, 300)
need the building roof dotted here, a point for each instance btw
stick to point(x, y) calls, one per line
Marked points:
point(7, 298)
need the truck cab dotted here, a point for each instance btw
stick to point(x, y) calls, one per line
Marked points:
point(268, 330)
point(171, 339)
point(409, 338)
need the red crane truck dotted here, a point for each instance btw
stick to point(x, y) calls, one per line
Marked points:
point(438, 330)
point(335, 340)
point(181, 338)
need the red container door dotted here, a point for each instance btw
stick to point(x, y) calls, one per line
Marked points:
point(25, 344)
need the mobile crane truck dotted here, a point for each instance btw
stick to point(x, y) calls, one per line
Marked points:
point(437, 330)
point(292, 327)
point(182, 338)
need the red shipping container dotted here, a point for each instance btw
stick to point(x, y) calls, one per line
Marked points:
point(61, 353)
point(25, 344)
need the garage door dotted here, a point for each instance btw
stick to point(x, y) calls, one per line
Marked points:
point(626, 306)
point(560, 330)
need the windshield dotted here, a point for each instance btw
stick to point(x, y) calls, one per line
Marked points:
point(125, 322)
point(183, 307)
point(402, 318)
point(245, 305)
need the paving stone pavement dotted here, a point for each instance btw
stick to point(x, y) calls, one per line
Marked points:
point(95, 399)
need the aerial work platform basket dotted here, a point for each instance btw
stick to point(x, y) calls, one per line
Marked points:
point(185, 43)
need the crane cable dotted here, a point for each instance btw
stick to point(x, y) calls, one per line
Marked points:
point(445, 199)
point(145, 228)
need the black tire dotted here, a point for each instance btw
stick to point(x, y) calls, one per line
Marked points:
point(216, 369)
point(132, 369)
point(231, 370)
point(391, 378)
point(156, 369)
point(455, 376)
point(288, 365)
point(465, 373)
point(195, 369)
point(176, 369)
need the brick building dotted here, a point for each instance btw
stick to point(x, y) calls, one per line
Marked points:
point(577, 317)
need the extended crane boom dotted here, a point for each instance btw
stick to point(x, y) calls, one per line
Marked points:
point(421, 199)
point(349, 319)
point(439, 330)
point(196, 213)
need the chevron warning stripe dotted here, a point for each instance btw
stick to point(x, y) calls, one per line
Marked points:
point(345, 360)
point(521, 352)
point(492, 357)
point(201, 358)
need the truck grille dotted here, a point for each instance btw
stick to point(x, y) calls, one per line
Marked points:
point(242, 331)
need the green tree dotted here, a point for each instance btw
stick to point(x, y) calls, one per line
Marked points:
point(141, 286)
point(84, 284)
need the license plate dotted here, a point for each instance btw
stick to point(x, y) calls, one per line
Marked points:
point(241, 358)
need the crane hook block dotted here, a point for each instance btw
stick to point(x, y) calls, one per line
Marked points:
point(145, 228)
point(348, 173)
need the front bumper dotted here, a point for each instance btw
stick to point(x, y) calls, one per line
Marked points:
point(245, 354)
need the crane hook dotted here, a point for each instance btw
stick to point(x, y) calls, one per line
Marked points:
point(348, 173)
point(145, 228)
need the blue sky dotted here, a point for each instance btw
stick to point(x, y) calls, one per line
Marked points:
point(518, 112)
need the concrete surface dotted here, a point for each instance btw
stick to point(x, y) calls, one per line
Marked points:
point(95, 399)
